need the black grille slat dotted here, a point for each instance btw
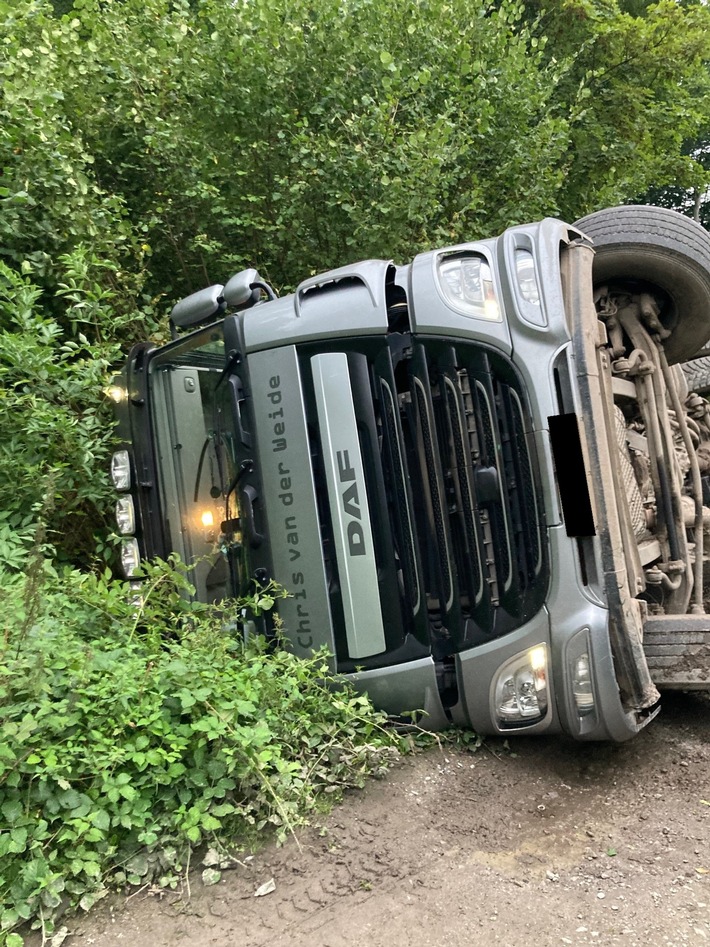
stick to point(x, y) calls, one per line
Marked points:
point(490, 438)
point(429, 448)
point(529, 553)
point(466, 544)
point(473, 444)
point(396, 479)
point(515, 517)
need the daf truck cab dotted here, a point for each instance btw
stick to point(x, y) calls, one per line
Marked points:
point(480, 475)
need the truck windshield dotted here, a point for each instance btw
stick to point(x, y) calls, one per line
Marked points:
point(195, 458)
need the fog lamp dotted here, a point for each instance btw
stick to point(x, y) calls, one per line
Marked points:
point(126, 516)
point(130, 557)
point(582, 688)
point(121, 470)
point(520, 692)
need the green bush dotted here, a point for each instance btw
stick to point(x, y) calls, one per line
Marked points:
point(134, 733)
point(55, 427)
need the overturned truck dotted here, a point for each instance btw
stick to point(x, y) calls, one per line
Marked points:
point(482, 475)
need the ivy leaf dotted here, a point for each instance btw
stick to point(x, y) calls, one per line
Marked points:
point(211, 876)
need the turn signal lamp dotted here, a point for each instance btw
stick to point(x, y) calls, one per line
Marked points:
point(527, 278)
point(582, 688)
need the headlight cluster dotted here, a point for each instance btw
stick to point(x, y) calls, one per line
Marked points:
point(466, 281)
point(520, 695)
point(125, 512)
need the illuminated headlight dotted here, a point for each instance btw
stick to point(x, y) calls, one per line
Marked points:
point(467, 283)
point(126, 516)
point(582, 688)
point(130, 557)
point(520, 692)
point(121, 470)
point(527, 279)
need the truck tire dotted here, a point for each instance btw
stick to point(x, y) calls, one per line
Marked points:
point(661, 248)
point(697, 374)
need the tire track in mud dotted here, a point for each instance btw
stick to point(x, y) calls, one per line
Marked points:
point(557, 842)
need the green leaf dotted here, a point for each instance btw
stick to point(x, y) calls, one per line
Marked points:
point(211, 876)
point(12, 810)
point(101, 819)
point(8, 918)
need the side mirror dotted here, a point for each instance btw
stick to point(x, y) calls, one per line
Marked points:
point(201, 306)
point(240, 290)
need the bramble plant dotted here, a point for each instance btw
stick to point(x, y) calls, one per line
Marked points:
point(134, 733)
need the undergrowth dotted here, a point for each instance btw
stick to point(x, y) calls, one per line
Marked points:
point(134, 733)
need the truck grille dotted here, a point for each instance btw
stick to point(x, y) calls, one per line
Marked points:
point(454, 499)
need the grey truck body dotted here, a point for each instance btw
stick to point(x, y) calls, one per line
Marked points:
point(461, 470)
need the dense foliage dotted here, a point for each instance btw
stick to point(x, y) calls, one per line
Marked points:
point(53, 426)
point(295, 135)
point(132, 735)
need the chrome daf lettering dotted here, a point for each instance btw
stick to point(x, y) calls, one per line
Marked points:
point(351, 505)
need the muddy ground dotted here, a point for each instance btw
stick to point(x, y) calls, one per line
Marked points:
point(554, 843)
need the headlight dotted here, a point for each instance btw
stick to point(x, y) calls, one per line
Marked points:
point(121, 470)
point(130, 557)
point(467, 283)
point(582, 688)
point(126, 515)
point(520, 692)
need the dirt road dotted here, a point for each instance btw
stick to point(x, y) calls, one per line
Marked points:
point(555, 843)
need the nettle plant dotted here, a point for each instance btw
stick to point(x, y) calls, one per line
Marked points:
point(134, 732)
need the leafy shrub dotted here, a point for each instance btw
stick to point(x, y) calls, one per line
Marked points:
point(53, 421)
point(56, 428)
point(133, 733)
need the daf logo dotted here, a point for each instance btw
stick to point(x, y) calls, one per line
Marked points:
point(350, 500)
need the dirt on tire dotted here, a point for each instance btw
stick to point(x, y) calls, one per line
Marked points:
point(665, 250)
point(697, 374)
point(540, 841)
